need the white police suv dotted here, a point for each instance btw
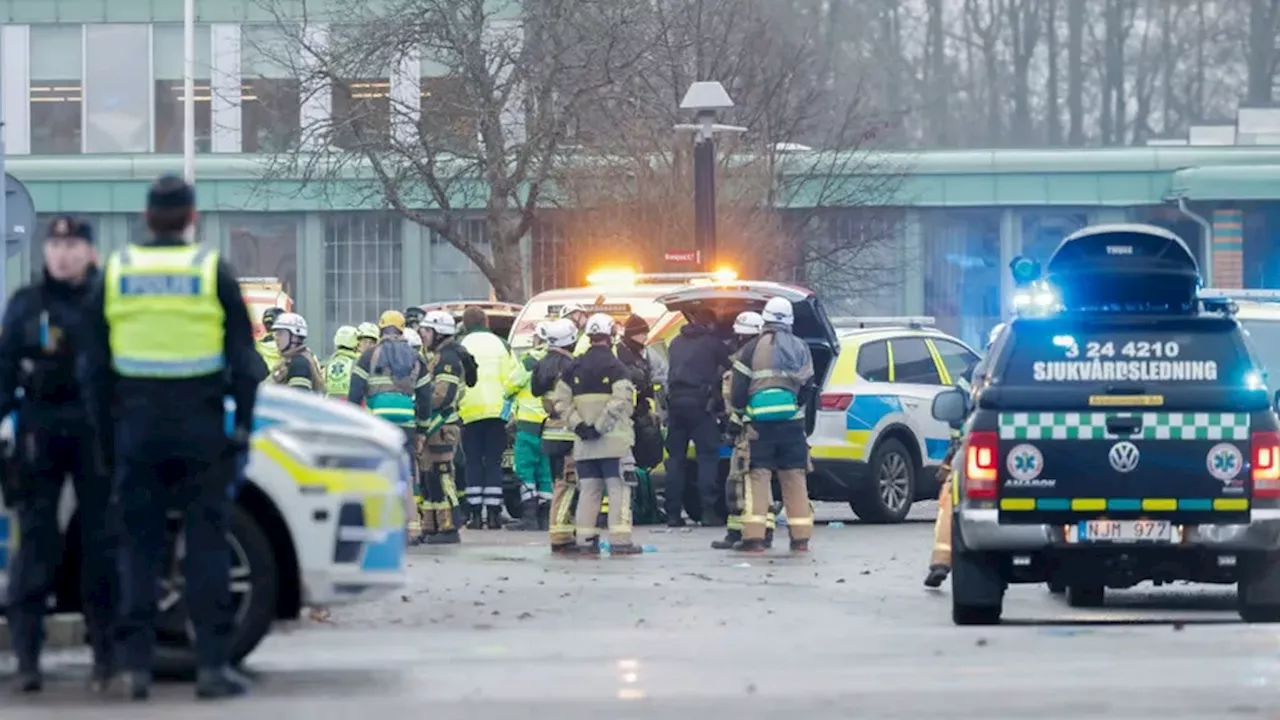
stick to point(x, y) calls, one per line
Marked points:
point(320, 522)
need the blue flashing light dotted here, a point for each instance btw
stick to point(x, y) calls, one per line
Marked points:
point(1025, 270)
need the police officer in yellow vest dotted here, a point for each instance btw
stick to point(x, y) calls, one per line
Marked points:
point(484, 432)
point(166, 334)
point(337, 371)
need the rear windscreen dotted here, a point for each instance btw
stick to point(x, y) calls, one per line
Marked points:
point(1198, 352)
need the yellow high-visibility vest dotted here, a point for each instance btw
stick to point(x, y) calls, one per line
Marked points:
point(162, 309)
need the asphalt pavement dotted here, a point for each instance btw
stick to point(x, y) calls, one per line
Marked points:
point(497, 628)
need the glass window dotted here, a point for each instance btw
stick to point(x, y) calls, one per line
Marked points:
point(361, 113)
point(56, 74)
point(453, 275)
point(117, 88)
point(962, 271)
point(912, 362)
point(167, 65)
point(270, 93)
point(362, 261)
point(873, 362)
point(447, 124)
point(956, 358)
point(264, 245)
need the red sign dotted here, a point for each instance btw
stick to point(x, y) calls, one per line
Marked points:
point(680, 256)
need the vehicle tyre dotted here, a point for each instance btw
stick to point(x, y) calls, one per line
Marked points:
point(977, 590)
point(1086, 594)
point(1258, 593)
point(887, 498)
point(1056, 586)
point(255, 584)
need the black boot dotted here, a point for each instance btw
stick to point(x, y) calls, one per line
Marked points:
point(937, 575)
point(731, 538)
point(569, 549)
point(220, 683)
point(590, 548)
point(544, 516)
point(493, 517)
point(133, 685)
point(799, 546)
point(29, 682)
point(750, 546)
point(475, 518)
point(768, 537)
point(444, 537)
point(528, 521)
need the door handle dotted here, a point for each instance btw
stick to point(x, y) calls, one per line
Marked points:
point(913, 404)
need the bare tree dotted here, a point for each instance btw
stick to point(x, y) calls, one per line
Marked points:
point(809, 149)
point(486, 137)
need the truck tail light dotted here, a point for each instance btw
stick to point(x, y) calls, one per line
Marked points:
point(1266, 465)
point(980, 476)
point(835, 401)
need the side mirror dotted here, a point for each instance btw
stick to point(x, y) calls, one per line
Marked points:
point(1275, 401)
point(951, 407)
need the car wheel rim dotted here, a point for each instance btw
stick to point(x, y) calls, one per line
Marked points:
point(173, 586)
point(895, 481)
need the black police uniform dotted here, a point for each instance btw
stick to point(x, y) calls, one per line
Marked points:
point(698, 360)
point(37, 357)
point(166, 440)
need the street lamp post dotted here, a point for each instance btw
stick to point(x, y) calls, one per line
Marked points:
point(705, 99)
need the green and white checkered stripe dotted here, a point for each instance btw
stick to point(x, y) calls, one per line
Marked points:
point(1093, 426)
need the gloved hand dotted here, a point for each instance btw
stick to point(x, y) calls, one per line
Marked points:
point(733, 426)
point(238, 442)
point(587, 432)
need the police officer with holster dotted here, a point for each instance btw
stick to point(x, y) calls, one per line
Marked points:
point(53, 442)
point(167, 333)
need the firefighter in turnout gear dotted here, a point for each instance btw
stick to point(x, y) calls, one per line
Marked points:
point(737, 486)
point(297, 368)
point(940, 558)
point(450, 370)
point(267, 343)
point(772, 380)
point(337, 372)
point(596, 398)
point(391, 379)
point(532, 467)
point(557, 440)
point(367, 335)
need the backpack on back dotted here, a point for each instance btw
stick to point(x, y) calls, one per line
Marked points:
point(398, 361)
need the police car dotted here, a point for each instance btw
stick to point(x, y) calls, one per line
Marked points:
point(1127, 437)
point(875, 443)
point(320, 522)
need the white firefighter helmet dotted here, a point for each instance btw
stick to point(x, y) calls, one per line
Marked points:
point(570, 308)
point(541, 329)
point(748, 323)
point(346, 337)
point(439, 321)
point(562, 333)
point(414, 339)
point(292, 322)
point(599, 324)
point(778, 311)
point(367, 331)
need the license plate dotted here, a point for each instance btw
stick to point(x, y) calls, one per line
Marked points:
point(1124, 531)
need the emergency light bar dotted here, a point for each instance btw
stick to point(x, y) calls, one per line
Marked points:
point(912, 321)
point(1233, 294)
point(623, 277)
